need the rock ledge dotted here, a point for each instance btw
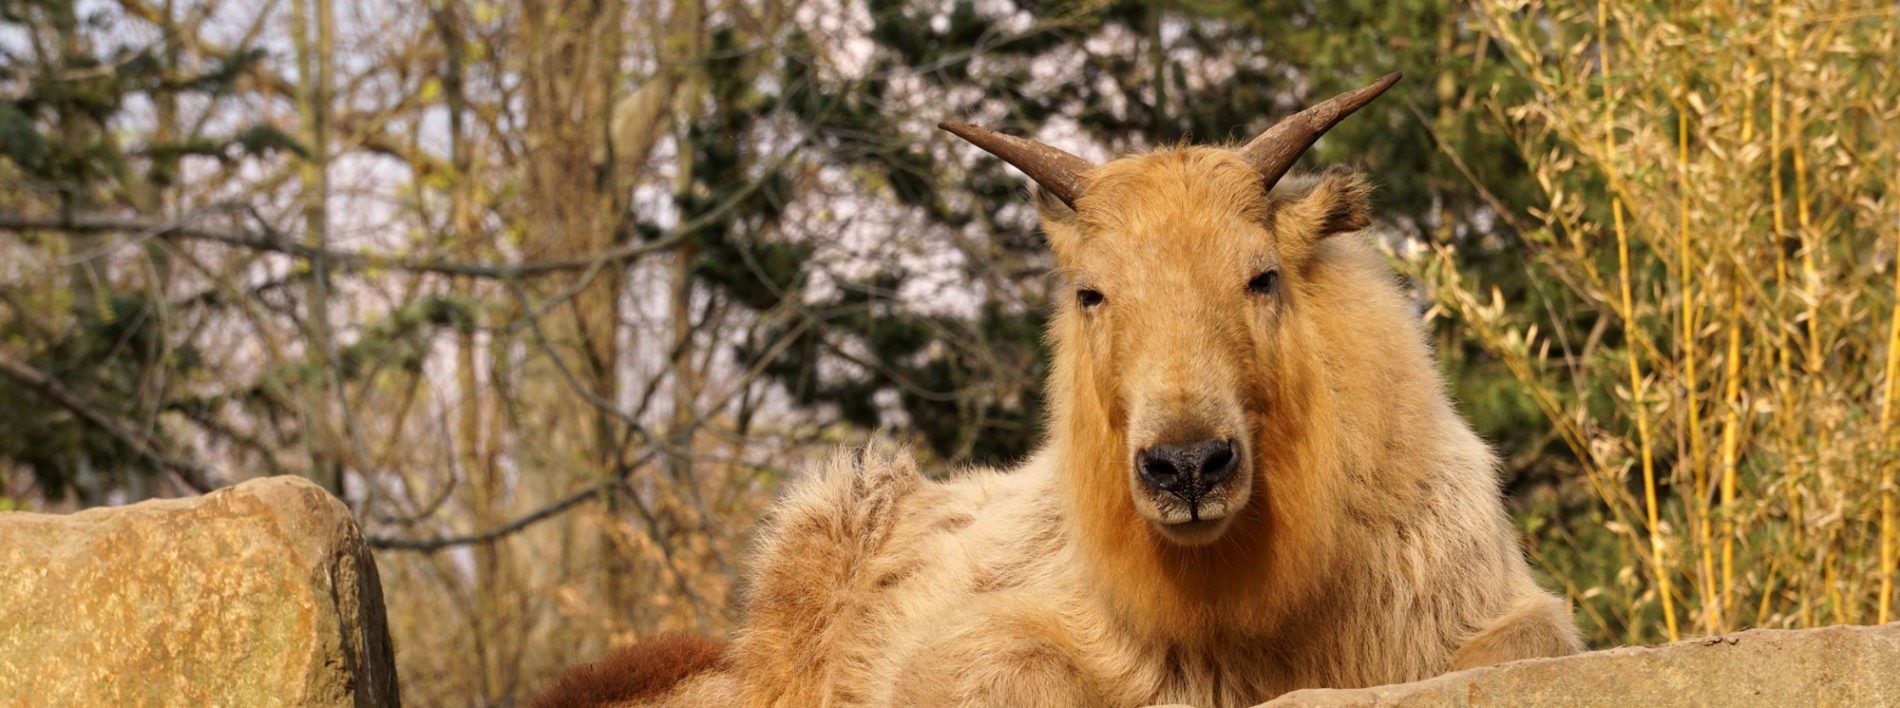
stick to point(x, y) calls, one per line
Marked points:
point(1844, 665)
point(261, 594)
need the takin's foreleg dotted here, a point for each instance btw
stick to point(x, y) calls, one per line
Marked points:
point(1000, 657)
point(1539, 625)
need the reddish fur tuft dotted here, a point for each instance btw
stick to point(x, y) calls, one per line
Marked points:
point(644, 670)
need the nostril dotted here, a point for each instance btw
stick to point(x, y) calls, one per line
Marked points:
point(1218, 463)
point(1157, 469)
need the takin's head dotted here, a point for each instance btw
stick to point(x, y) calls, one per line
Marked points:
point(1183, 266)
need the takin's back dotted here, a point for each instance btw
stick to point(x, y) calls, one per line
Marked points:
point(854, 573)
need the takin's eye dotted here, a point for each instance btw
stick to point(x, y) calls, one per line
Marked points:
point(1265, 282)
point(1087, 297)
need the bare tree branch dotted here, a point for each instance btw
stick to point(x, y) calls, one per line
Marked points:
point(344, 260)
point(427, 545)
point(521, 523)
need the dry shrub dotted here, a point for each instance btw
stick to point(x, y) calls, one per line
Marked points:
point(497, 622)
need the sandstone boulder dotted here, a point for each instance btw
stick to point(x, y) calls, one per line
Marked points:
point(262, 594)
point(1833, 666)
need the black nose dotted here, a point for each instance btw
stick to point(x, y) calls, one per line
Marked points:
point(1187, 471)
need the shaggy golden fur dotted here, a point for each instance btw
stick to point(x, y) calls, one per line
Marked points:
point(1364, 541)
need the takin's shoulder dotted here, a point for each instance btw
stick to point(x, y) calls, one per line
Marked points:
point(872, 500)
point(844, 508)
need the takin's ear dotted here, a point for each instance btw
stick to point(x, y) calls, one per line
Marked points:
point(1308, 210)
point(1058, 222)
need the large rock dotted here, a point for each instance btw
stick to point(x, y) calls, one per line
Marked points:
point(1842, 666)
point(262, 594)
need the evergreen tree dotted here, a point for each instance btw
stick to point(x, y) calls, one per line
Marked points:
point(99, 335)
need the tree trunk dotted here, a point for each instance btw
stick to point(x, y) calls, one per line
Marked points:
point(314, 49)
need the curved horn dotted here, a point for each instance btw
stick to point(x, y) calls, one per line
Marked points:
point(1056, 170)
point(1275, 151)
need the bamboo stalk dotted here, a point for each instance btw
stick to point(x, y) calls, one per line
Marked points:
point(1810, 346)
point(1836, 599)
point(1699, 478)
point(1665, 586)
point(1889, 545)
point(1731, 402)
point(1767, 591)
point(1731, 436)
point(1784, 362)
